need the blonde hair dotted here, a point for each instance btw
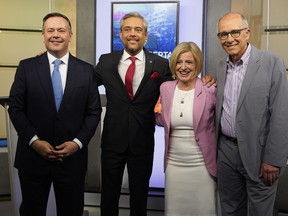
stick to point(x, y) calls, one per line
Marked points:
point(183, 48)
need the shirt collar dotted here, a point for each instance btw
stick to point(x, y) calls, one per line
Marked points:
point(139, 56)
point(52, 58)
point(244, 59)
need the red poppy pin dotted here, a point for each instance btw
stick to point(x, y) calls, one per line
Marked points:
point(154, 75)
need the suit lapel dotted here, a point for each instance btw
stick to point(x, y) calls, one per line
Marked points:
point(149, 62)
point(115, 76)
point(115, 62)
point(221, 80)
point(71, 80)
point(43, 71)
point(199, 104)
point(169, 96)
point(221, 77)
point(252, 69)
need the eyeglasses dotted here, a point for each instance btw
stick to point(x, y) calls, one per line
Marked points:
point(234, 33)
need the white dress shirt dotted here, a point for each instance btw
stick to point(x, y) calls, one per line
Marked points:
point(139, 70)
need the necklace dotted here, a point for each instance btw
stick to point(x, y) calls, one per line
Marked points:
point(182, 98)
point(182, 103)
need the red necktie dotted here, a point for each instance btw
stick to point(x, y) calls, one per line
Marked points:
point(129, 77)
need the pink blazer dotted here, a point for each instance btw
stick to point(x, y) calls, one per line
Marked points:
point(203, 120)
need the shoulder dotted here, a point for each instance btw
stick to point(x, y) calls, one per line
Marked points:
point(208, 90)
point(168, 85)
point(34, 59)
point(31, 62)
point(109, 56)
point(156, 58)
point(264, 54)
point(79, 62)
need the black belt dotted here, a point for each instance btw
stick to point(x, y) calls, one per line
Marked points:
point(231, 139)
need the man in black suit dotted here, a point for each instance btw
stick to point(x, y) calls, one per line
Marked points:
point(129, 124)
point(52, 142)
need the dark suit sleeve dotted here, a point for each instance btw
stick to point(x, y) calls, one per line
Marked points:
point(167, 72)
point(98, 71)
point(93, 111)
point(18, 104)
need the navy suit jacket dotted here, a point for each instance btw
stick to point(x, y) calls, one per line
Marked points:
point(130, 123)
point(33, 112)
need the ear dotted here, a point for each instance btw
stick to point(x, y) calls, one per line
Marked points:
point(247, 33)
point(70, 36)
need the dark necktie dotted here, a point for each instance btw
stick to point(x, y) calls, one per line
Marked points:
point(129, 77)
point(57, 84)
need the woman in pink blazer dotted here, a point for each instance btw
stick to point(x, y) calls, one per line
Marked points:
point(187, 113)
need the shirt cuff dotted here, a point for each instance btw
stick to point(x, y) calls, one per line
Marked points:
point(33, 139)
point(78, 143)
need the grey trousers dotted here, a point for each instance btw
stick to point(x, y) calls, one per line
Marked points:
point(239, 194)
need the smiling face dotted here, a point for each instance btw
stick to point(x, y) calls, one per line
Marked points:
point(133, 35)
point(186, 67)
point(57, 36)
point(235, 47)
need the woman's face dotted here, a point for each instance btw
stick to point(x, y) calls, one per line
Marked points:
point(185, 67)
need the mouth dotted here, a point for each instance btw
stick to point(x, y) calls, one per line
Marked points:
point(230, 46)
point(56, 42)
point(184, 72)
point(132, 40)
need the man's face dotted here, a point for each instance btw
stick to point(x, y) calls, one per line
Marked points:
point(133, 35)
point(234, 46)
point(56, 35)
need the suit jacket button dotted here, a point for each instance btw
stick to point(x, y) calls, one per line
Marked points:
point(197, 139)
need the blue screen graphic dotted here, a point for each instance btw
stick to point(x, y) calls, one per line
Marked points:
point(162, 20)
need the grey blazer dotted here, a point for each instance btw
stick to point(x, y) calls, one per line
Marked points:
point(262, 111)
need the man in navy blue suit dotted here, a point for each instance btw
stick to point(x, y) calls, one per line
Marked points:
point(52, 143)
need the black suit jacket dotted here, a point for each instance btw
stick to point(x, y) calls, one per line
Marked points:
point(33, 112)
point(130, 123)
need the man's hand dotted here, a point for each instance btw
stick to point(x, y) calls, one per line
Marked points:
point(269, 173)
point(44, 149)
point(209, 81)
point(66, 149)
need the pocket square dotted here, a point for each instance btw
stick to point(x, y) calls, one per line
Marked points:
point(154, 75)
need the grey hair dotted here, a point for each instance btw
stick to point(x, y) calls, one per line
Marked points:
point(134, 14)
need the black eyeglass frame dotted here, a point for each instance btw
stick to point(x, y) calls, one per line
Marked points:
point(235, 33)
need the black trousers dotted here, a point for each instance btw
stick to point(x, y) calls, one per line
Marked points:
point(68, 189)
point(139, 171)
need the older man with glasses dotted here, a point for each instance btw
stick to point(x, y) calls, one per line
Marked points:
point(251, 122)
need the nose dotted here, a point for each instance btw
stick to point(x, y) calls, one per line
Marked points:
point(132, 32)
point(55, 34)
point(229, 37)
point(183, 65)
